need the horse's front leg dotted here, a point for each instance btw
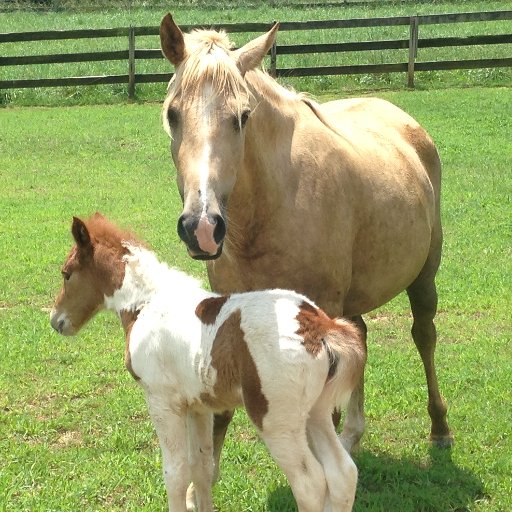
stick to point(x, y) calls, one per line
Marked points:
point(171, 429)
point(200, 450)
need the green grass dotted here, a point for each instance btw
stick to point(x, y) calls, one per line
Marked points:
point(238, 12)
point(74, 431)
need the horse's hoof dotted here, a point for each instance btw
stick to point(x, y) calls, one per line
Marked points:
point(349, 443)
point(442, 441)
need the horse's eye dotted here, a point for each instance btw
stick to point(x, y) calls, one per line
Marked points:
point(241, 121)
point(244, 117)
point(66, 275)
point(173, 116)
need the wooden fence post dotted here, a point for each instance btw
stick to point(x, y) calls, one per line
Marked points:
point(413, 50)
point(131, 63)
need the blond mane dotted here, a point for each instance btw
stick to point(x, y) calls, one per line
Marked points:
point(209, 61)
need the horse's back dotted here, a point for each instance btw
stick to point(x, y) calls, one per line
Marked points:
point(363, 119)
point(394, 151)
point(366, 113)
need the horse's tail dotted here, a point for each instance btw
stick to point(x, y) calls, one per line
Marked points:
point(346, 350)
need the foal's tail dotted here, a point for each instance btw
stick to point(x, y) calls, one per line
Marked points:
point(346, 349)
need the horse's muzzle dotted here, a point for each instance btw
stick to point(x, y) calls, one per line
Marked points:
point(203, 235)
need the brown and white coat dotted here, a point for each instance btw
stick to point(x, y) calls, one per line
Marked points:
point(195, 353)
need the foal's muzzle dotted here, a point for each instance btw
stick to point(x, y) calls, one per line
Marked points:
point(203, 235)
point(61, 323)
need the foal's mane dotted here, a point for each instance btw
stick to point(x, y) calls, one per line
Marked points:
point(208, 60)
point(108, 234)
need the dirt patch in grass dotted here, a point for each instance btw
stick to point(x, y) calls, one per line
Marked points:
point(69, 438)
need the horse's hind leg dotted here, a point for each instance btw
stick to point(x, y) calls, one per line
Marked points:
point(423, 298)
point(353, 428)
point(340, 470)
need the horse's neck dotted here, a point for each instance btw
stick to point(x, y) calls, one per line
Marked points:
point(146, 277)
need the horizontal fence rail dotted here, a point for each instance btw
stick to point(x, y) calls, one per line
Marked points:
point(132, 54)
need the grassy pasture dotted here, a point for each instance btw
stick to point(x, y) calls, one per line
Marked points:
point(74, 432)
point(239, 12)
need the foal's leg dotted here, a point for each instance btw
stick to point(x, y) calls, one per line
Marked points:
point(353, 428)
point(340, 470)
point(291, 451)
point(220, 427)
point(172, 435)
point(423, 298)
point(200, 428)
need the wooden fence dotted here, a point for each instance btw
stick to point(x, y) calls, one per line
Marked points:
point(132, 54)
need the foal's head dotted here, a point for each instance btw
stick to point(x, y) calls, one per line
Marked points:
point(93, 270)
point(206, 111)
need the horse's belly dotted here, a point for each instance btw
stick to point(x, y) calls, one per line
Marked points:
point(341, 278)
point(384, 267)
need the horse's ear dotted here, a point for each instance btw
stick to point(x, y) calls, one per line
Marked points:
point(81, 235)
point(172, 41)
point(251, 54)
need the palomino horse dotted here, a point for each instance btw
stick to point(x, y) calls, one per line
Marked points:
point(194, 352)
point(338, 201)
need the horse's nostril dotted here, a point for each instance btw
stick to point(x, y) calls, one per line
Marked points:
point(57, 324)
point(182, 229)
point(220, 229)
point(202, 234)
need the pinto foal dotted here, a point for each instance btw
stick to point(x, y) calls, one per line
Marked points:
point(195, 353)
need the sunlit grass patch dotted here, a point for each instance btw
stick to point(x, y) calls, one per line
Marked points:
point(74, 431)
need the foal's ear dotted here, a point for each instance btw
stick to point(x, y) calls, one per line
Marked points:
point(172, 41)
point(251, 54)
point(81, 235)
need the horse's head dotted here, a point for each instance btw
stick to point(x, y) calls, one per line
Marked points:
point(205, 113)
point(93, 270)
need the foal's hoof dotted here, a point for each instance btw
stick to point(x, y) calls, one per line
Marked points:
point(191, 499)
point(442, 441)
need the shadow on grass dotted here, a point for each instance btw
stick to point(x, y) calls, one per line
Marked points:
point(403, 485)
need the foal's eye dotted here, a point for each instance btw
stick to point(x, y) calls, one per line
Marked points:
point(66, 275)
point(173, 116)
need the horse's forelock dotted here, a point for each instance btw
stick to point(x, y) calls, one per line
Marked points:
point(208, 61)
point(197, 40)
